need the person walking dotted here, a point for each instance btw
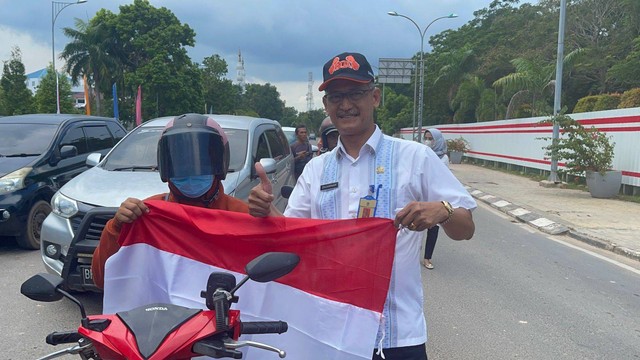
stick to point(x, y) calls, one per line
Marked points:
point(416, 190)
point(433, 138)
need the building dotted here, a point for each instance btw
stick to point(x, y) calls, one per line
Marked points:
point(77, 91)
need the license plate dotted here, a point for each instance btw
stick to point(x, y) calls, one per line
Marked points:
point(87, 275)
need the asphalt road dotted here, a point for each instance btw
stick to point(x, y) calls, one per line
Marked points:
point(514, 293)
point(510, 293)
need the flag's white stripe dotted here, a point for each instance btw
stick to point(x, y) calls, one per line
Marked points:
point(314, 322)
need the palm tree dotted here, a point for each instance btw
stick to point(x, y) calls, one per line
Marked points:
point(92, 53)
point(459, 64)
point(532, 79)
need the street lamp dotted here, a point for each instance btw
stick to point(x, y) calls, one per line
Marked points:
point(56, 8)
point(422, 33)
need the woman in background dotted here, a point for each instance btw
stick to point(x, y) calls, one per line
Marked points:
point(433, 139)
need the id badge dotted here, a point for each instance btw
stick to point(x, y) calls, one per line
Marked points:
point(367, 207)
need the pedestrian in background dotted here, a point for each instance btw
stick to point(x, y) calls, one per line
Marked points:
point(433, 138)
point(415, 190)
point(301, 149)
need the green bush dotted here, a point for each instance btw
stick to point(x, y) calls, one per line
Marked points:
point(630, 99)
point(582, 149)
point(585, 104)
point(607, 102)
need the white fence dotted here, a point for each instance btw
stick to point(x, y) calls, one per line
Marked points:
point(518, 141)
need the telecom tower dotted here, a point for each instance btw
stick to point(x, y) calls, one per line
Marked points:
point(310, 93)
point(240, 71)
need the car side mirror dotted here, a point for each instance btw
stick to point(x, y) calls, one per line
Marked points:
point(269, 166)
point(67, 151)
point(93, 159)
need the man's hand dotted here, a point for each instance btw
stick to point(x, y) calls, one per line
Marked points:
point(419, 216)
point(129, 211)
point(261, 196)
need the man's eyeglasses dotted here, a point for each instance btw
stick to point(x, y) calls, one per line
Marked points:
point(353, 96)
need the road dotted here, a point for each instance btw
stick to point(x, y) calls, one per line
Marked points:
point(510, 293)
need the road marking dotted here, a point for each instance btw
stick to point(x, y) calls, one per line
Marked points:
point(594, 254)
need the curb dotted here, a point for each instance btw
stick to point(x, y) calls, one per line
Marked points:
point(548, 226)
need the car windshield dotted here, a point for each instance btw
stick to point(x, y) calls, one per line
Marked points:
point(139, 150)
point(291, 135)
point(25, 139)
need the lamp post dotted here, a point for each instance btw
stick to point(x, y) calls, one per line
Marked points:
point(421, 93)
point(56, 8)
point(553, 176)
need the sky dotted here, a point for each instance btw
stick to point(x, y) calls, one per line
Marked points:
point(281, 41)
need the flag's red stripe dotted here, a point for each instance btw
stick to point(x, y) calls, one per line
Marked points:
point(343, 260)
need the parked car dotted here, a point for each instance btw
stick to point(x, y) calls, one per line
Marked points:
point(39, 153)
point(290, 132)
point(130, 170)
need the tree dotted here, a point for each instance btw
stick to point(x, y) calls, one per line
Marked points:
point(466, 101)
point(220, 95)
point(264, 100)
point(152, 52)
point(289, 116)
point(16, 98)
point(91, 52)
point(45, 97)
point(396, 113)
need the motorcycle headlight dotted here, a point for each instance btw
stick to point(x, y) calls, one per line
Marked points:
point(63, 206)
point(13, 181)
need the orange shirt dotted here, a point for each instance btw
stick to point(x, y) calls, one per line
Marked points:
point(109, 238)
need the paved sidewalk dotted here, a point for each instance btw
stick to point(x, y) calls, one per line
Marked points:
point(607, 223)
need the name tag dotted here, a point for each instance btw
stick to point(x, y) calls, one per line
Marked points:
point(330, 186)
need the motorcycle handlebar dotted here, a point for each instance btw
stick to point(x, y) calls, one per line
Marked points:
point(65, 337)
point(263, 327)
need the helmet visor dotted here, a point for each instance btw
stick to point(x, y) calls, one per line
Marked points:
point(191, 154)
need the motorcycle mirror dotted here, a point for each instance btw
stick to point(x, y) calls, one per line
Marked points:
point(42, 287)
point(272, 265)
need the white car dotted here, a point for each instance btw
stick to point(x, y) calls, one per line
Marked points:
point(130, 170)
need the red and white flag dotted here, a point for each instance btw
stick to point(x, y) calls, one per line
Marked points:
point(139, 106)
point(332, 301)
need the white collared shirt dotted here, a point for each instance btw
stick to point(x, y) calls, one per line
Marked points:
point(420, 175)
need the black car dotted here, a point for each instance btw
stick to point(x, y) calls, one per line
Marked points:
point(38, 154)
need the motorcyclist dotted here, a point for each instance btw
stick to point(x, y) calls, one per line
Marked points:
point(193, 157)
point(328, 136)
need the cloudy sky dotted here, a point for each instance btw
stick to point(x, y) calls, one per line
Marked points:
point(281, 41)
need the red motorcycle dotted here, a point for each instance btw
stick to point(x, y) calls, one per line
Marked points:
point(165, 331)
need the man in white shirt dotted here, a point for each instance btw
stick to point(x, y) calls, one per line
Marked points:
point(409, 182)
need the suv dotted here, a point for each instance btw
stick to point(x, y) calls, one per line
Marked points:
point(130, 170)
point(38, 154)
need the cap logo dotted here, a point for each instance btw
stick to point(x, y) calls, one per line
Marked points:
point(348, 63)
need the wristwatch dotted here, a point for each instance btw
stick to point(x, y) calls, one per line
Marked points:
point(447, 205)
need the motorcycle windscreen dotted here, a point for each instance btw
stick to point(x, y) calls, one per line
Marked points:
point(191, 154)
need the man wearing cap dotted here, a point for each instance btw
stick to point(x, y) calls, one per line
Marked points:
point(413, 187)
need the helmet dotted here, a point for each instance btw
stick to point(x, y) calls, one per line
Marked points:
point(325, 137)
point(193, 145)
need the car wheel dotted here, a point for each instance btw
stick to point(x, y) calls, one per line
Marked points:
point(30, 238)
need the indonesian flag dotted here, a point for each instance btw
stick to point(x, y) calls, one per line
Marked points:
point(332, 300)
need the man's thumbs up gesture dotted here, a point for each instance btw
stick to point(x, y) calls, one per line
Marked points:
point(261, 196)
